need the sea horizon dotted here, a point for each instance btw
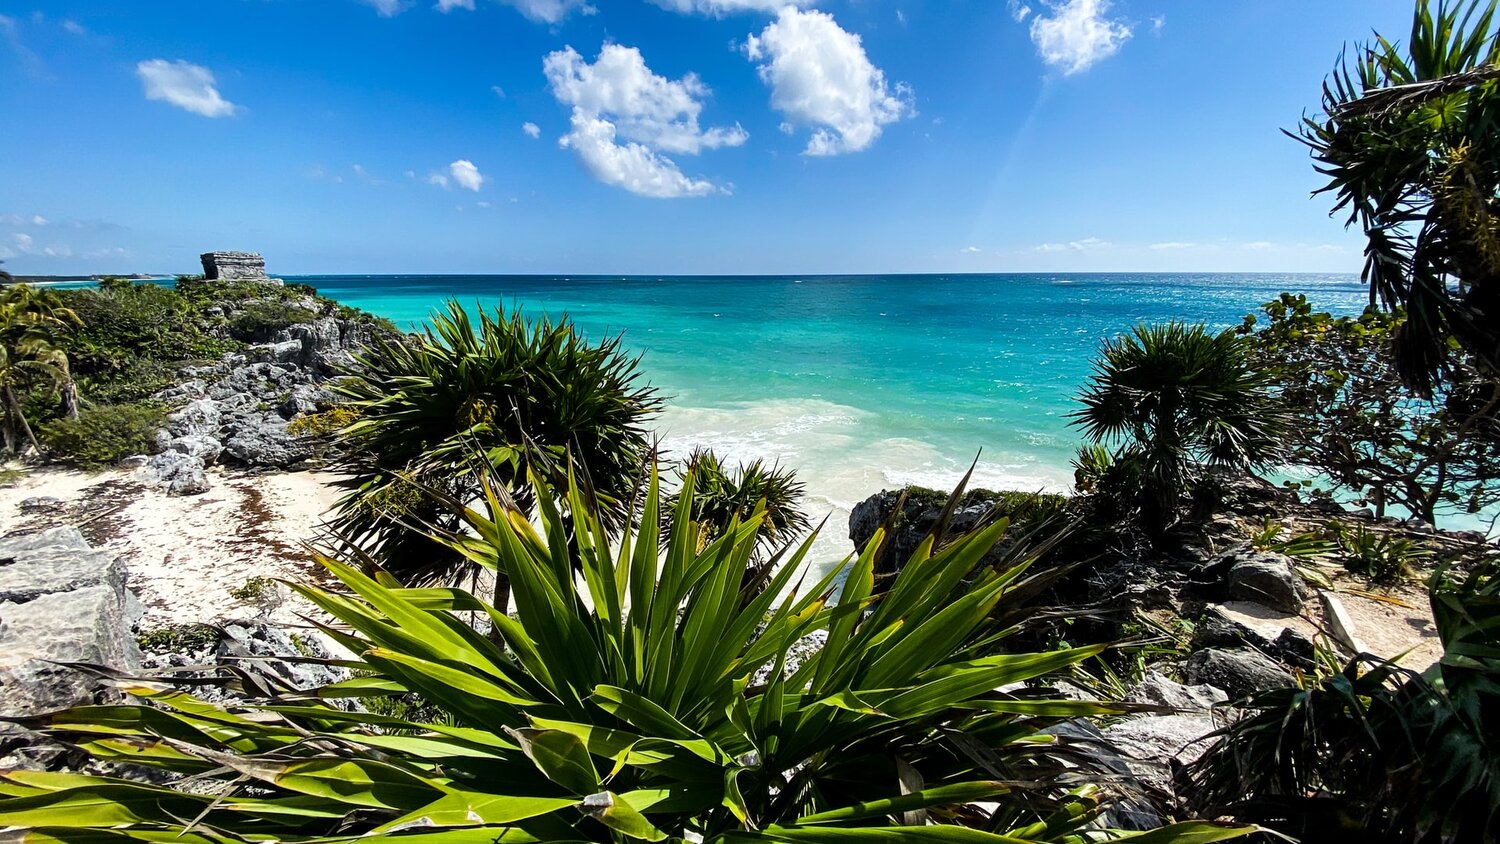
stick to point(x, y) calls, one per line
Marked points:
point(862, 382)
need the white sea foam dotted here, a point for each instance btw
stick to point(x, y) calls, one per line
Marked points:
point(841, 453)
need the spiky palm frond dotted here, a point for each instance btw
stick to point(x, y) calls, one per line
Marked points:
point(721, 495)
point(518, 395)
point(1410, 143)
point(1176, 396)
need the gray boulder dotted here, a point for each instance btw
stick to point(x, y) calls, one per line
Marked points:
point(42, 504)
point(1266, 578)
point(1239, 672)
point(1158, 742)
point(266, 442)
point(1157, 690)
point(181, 473)
point(60, 602)
point(206, 449)
point(200, 417)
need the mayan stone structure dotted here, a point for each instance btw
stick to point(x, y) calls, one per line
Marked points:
point(235, 266)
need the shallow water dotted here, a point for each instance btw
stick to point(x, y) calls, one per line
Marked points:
point(864, 383)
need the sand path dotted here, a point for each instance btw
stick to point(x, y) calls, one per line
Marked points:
point(184, 555)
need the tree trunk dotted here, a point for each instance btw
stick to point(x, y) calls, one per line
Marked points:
point(69, 404)
point(18, 416)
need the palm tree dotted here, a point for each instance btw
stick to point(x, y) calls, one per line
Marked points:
point(1410, 143)
point(1176, 397)
point(513, 395)
point(721, 497)
point(31, 322)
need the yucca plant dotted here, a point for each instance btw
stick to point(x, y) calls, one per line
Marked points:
point(636, 698)
point(520, 396)
point(1175, 397)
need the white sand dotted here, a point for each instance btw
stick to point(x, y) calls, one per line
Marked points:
point(183, 555)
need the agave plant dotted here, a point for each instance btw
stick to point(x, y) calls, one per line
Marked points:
point(1409, 142)
point(1374, 749)
point(521, 396)
point(1176, 397)
point(636, 698)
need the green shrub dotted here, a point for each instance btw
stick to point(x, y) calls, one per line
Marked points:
point(178, 637)
point(323, 423)
point(258, 320)
point(634, 698)
point(1374, 554)
point(103, 434)
point(263, 593)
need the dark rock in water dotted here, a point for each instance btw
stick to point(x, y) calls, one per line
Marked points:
point(1239, 672)
point(235, 266)
point(1266, 578)
point(60, 602)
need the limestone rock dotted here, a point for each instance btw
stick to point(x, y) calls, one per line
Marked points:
point(60, 602)
point(1268, 579)
point(197, 418)
point(42, 504)
point(1239, 672)
point(205, 448)
point(1158, 690)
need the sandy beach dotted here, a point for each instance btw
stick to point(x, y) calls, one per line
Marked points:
point(185, 555)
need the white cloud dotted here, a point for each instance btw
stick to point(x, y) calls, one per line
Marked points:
point(1172, 244)
point(481, 205)
point(74, 27)
point(1075, 35)
point(719, 8)
point(632, 166)
point(26, 245)
point(1085, 245)
point(970, 250)
point(185, 85)
point(531, 129)
point(1019, 10)
point(1158, 23)
point(820, 76)
point(447, 5)
point(643, 106)
point(618, 98)
point(499, 92)
point(387, 8)
point(549, 11)
point(438, 179)
point(1257, 245)
point(410, 174)
point(466, 175)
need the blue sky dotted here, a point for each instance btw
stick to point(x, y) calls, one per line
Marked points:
point(669, 136)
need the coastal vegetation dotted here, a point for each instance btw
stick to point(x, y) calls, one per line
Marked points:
point(655, 664)
point(641, 700)
point(1408, 140)
point(1359, 426)
point(1177, 400)
point(504, 394)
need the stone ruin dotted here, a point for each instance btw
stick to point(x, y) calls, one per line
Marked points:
point(235, 266)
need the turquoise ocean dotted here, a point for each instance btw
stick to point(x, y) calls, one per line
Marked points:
point(863, 383)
